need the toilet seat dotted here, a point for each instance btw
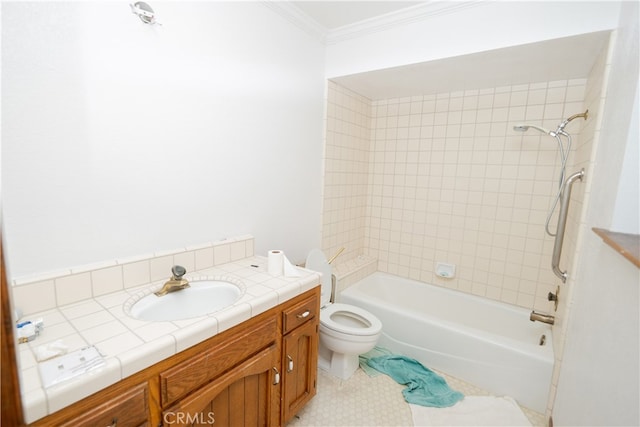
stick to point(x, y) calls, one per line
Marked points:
point(370, 325)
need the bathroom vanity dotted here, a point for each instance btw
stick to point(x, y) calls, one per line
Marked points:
point(259, 372)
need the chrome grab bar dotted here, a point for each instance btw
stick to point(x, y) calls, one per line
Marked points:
point(562, 222)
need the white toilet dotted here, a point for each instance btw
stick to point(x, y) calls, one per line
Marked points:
point(346, 331)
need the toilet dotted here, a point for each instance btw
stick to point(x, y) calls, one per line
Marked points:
point(346, 331)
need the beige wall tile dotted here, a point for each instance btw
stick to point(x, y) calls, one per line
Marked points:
point(445, 178)
point(106, 280)
point(73, 288)
point(135, 274)
point(34, 297)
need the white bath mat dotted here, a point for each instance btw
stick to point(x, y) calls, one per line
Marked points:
point(472, 411)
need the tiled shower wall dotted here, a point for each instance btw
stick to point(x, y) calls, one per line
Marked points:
point(449, 180)
point(582, 158)
point(348, 129)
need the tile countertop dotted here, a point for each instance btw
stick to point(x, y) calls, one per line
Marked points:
point(130, 345)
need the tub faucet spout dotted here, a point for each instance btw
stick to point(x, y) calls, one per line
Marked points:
point(544, 318)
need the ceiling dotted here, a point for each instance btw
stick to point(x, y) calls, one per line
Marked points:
point(551, 60)
point(336, 14)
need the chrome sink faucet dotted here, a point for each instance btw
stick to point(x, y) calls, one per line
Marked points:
point(176, 283)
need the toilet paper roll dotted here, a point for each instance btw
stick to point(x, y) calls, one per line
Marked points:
point(278, 265)
point(275, 262)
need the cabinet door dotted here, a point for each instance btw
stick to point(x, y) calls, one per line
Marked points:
point(300, 362)
point(248, 395)
point(180, 380)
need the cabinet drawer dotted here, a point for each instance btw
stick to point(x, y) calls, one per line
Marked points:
point(130, 409)
point(185, 377)
point(298, 314)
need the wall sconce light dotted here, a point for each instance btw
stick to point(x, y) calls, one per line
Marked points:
point(144, 12)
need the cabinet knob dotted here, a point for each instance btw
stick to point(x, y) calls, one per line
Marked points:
point(276, 376)
point(303, 315)
point(290, 364)
point(114, 422)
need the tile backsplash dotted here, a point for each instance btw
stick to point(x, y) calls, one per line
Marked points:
point(45, 291)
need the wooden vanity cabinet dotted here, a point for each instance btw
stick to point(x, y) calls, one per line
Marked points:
point(238, 377)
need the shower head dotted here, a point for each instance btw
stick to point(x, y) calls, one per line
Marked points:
point(525, 127)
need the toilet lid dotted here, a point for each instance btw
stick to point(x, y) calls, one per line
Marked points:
point(349, 319)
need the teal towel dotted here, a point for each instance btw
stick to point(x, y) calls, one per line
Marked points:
point(364, 358)
point(424, 387)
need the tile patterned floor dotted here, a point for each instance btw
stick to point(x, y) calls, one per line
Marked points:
point(371, 401)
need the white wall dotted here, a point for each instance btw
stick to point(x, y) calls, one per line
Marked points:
point(626, 214)
point(473, 28)
point(599, 380)
point(120, 138)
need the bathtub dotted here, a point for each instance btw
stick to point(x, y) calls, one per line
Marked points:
point(486, 343)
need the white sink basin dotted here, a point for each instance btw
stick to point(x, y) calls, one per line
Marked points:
point(201, 298)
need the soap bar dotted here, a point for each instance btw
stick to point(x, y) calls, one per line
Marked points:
point(51, 350)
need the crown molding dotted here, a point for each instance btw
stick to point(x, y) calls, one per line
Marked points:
point(298, 18)
point(400, 17)
point(372, 25)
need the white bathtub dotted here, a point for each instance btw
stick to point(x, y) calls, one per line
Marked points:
point(486, 343)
